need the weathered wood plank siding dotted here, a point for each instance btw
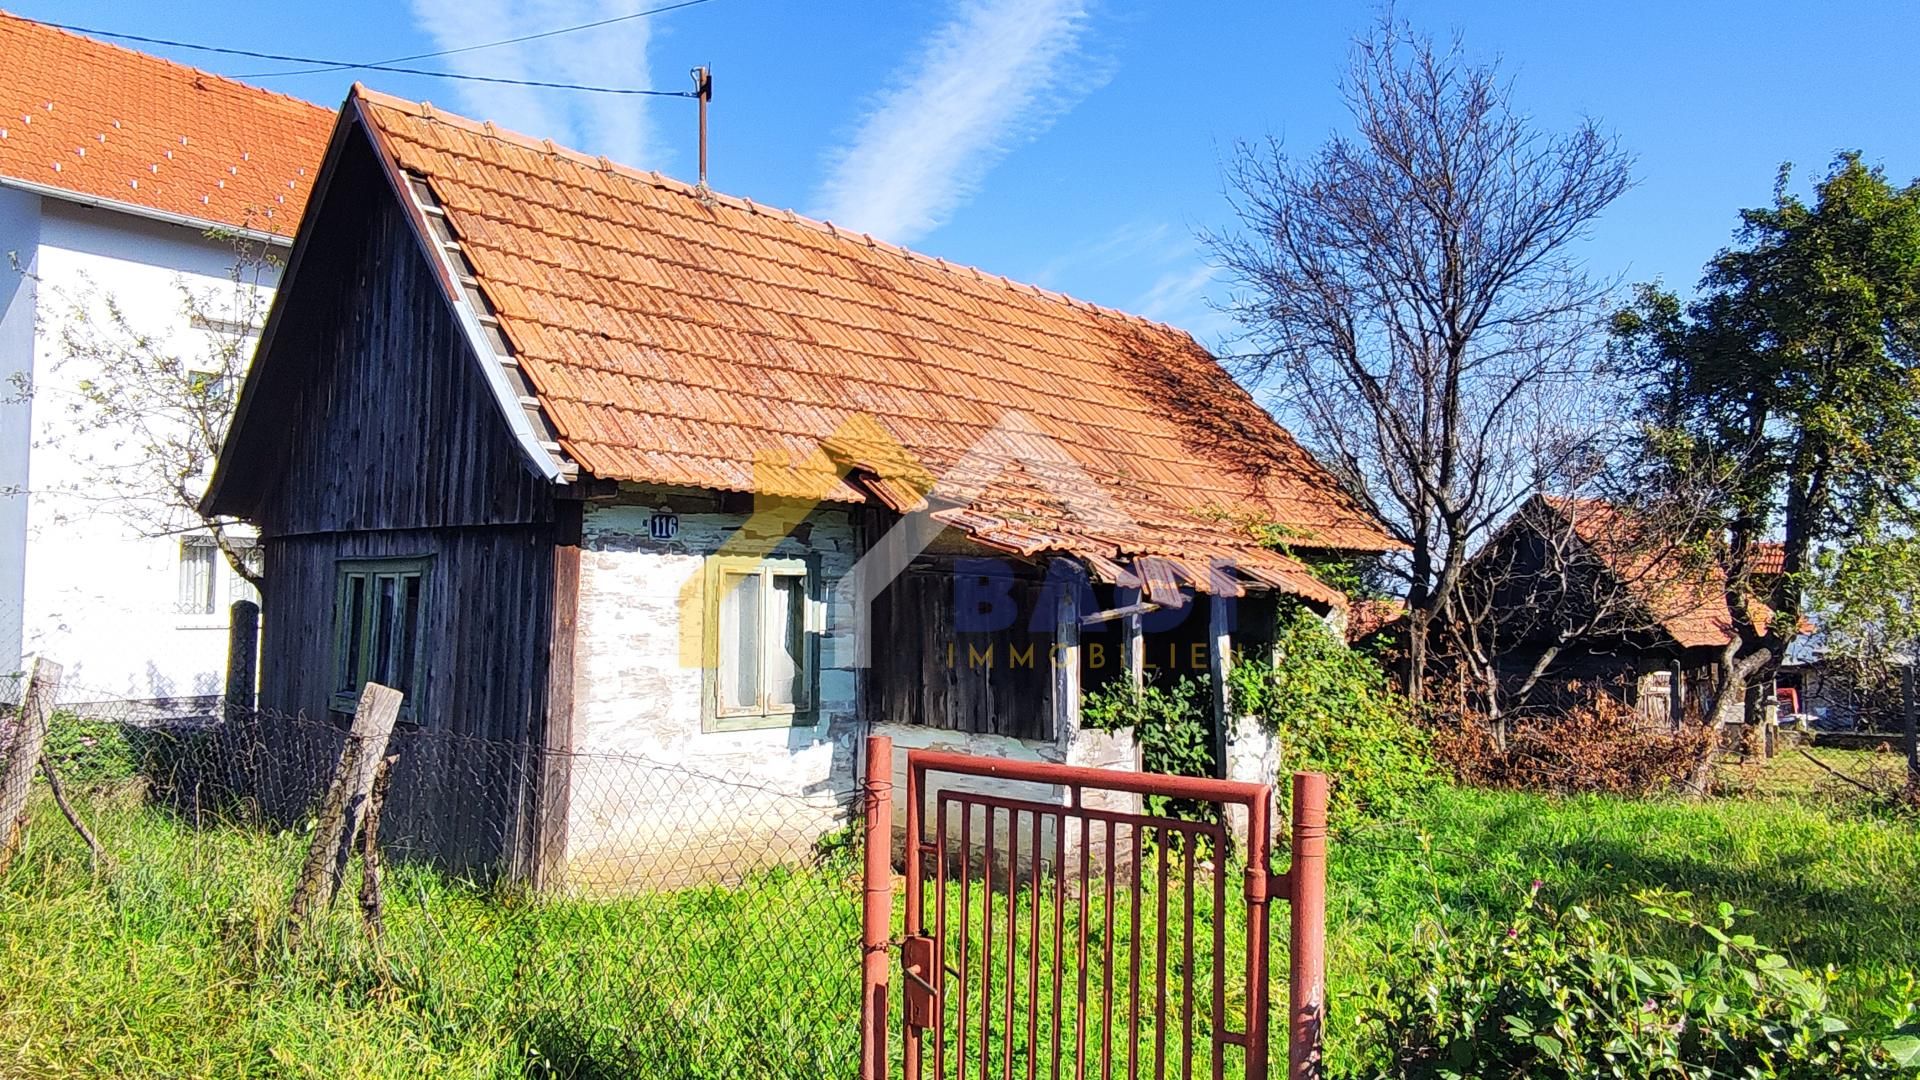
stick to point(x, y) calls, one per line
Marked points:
point(394, 447)
point(928, 670)
point(486, 625)
point(390, 424)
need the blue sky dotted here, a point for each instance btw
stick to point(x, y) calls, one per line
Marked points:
point(1078, 143)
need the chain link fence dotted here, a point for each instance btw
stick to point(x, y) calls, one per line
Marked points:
point(1857, 768)
point(677, 922)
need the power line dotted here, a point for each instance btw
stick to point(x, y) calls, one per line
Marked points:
point(341, 65)
point(475, 48)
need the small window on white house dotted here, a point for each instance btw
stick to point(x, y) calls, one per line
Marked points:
point(238, 587)
point(761, 648)
point(199, 567)
point(379, 635)
point(208, 585)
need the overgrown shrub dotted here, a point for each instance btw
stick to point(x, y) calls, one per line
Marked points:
point(1545, 994)
point(1171, 724)
point(1596, 745)
point(1334, 712)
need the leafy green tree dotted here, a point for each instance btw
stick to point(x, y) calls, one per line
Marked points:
point(1786, 396)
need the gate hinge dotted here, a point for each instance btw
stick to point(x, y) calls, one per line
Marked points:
point(922, 996)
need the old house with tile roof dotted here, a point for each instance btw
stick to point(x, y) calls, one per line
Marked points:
point(585, 458)
point(1587, 594)
point(114, 167)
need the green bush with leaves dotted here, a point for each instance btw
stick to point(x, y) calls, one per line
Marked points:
point(1171, 724)
point(1545, 994)
point(1334, 713)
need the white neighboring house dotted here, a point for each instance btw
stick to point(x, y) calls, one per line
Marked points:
point(128, 178)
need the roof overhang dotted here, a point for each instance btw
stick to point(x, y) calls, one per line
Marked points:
point(202, 225)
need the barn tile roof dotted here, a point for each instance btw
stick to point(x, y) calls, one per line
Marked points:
point(1687, 600)
point(1767, 557)
point(677, 336)
point(108, 123)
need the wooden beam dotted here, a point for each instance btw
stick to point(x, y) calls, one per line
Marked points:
point(554, 757)
point(344, 805)
point(1066, 665)
point(1128, 611)
point(29, 735)
point(1133, 640)
point(1219, 656)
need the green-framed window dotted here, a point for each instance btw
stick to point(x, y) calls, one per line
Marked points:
point(762, 642)
point(379, 620)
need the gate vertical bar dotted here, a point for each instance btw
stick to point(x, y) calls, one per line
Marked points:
point(1307, 980)
point(1259, 887)
point(876, 908)
point(914, 922)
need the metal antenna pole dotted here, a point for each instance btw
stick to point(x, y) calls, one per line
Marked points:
point(703, 88)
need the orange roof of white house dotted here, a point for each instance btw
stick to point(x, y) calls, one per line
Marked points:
point(676, 336)
point(112, 125)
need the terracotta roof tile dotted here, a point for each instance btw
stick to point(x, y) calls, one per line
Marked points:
point(679, 337)
point(1688, 601)
point(157, 135)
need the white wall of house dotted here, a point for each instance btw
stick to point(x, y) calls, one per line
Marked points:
point(96, 593)
point(20, 248)
point(655, 798)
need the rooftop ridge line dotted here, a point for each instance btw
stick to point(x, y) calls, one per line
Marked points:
point(191, 71)
point(489, 130)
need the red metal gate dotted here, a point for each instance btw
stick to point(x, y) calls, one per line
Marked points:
point(1054, 929)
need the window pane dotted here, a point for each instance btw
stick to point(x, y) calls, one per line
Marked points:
point(739, 674)
point(409, 634)
point(787, 642)
point(197, 562)
point(385, 615)
point(352, 628)
point(239, 588)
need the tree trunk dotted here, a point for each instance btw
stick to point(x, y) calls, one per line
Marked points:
point(1417, 623)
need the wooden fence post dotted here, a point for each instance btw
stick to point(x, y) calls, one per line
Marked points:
point(29, 735)
point(1908, 711)
point(345, 803)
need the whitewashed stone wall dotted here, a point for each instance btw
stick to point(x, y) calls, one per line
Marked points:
point(1076, 746)
point(656, 801)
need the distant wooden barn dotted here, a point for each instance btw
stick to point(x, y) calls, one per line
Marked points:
point(1583, 599)
point(590, 462)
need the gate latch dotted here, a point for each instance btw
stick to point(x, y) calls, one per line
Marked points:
point(921, 994)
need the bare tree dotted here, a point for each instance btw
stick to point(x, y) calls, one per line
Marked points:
point(1411, 296)
point(148, 407)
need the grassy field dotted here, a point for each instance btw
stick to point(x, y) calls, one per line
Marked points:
point(168, 964)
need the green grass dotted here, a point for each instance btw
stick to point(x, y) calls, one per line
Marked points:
point(1825, 889)
point(169, 964)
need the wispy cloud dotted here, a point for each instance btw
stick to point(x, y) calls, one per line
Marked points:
point(1178, 280)
point(1176, 294)
point(614, 125)
point(1183, 296)
point(997, 72)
